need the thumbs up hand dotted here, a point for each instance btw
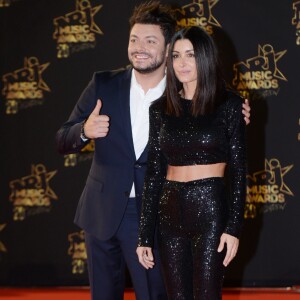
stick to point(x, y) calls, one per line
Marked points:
point(96, 125)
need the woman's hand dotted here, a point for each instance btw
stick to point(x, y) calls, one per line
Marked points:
point(145, 257)
point(232, 244)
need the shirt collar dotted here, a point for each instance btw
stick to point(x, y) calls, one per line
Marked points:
point(159, 88)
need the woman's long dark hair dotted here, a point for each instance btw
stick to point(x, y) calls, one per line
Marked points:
point(210, 85)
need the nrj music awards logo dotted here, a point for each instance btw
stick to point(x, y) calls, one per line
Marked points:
point(296, 20)
point(259, 76)
point(267, 190)
point(198, 13)
point(25, 87)
point(76, 31)
point(32, 195)
point(86, 153)
point(77, 251)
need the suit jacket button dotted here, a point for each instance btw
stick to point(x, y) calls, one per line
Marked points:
point(137, 166)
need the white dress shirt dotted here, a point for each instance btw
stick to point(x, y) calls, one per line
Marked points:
point(139, 114)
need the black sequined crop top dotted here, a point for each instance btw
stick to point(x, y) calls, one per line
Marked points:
point(186, 140)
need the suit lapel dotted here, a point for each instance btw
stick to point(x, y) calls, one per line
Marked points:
point(144, 156)
point(124, 97)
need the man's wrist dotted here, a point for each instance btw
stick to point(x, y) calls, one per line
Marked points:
point(83, 137)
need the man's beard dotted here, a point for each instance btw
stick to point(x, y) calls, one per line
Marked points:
point(150, 68)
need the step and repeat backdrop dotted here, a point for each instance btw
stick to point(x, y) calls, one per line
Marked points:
point(48, 53)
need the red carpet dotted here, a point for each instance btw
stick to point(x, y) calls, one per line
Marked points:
point(83, 294)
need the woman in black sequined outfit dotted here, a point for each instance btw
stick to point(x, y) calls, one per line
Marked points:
point(196, 132)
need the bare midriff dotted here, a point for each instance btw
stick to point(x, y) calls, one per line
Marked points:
point(194, 172)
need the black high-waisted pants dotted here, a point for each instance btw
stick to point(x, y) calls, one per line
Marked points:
point(192, 218)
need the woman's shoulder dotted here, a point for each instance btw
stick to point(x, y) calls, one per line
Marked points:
point(232, 101)
point(233, 98)
point(158, 105)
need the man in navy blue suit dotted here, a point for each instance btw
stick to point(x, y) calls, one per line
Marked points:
point(113, 110)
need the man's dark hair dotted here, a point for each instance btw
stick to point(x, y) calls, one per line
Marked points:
point(155, 13)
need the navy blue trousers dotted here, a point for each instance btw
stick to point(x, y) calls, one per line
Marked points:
point(107, 260)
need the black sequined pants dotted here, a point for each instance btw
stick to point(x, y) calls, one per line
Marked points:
point(192, 218)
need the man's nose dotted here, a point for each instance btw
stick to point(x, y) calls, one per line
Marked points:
point(140, 45)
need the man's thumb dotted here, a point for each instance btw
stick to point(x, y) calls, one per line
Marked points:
point(97, 108)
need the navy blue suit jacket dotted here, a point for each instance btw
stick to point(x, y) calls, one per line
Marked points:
point(114, 167)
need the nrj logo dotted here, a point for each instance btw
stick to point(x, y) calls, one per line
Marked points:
point(259, 76)
point(86, 153)
point(296, 20)
point(77, 251)
point(76, 30)
point(24, 87)
point(198, 13)
point(266, 189)
point(32, 195)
